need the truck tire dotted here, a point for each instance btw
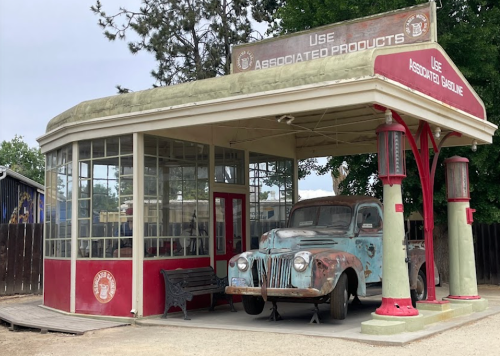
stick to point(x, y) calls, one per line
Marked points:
point(339, 299)
point(253, 305)
point(420, 293)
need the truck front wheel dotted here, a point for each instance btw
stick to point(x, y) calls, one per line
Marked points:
point(253, 305)
point(339, 299)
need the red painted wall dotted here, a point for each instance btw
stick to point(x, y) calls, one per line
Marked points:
point(57, 276)
point(57, 282)
point(154, 286)
point(87, 302)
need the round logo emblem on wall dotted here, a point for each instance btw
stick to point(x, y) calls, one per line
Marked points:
point(245, 60)
point(417, 25)
point(104, 286)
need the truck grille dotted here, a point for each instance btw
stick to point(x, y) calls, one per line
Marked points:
point(273, 271)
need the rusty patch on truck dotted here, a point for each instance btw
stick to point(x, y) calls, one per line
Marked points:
point(263, 288)
point(368, 271)
point(264, 237)
point(328, 267)
point(371, 250)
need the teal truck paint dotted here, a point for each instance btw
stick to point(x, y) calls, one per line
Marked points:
point(330, 250)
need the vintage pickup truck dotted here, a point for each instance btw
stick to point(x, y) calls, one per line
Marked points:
point(330, 250)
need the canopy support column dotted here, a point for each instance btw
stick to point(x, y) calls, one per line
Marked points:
point(427, 182)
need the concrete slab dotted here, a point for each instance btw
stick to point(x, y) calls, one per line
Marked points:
point(297, 317)
point(476, 304)
point(412, 323)
point(382, 327)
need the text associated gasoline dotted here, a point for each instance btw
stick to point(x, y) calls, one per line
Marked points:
point(438, 79)
point(325, 39)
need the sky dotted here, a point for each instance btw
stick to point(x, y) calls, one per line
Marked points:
point(53, 56)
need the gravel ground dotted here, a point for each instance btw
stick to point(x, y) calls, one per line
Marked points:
point(480, 338)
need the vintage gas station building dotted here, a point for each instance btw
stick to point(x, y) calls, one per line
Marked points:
point(198, 171)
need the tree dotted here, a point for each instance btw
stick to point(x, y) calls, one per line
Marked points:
point(474, 25)
point(16, 155)
point(190, 39)
point(104, 198)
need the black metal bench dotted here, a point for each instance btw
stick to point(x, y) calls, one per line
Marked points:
point(182, 284)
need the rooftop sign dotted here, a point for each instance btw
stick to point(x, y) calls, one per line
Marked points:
point(429, 71)
point(410, 25)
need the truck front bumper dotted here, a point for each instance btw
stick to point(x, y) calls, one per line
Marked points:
point(276, 292)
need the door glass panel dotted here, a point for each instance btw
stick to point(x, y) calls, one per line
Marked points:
point(237, 225)
point(220, 228)
point(229, 165)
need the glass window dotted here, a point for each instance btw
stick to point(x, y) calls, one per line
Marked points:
point(58, 202)
point(176, 206)
point(331, 216)
point(271, 193)
point(105, 198)
point(369, 218)
point(229, 166)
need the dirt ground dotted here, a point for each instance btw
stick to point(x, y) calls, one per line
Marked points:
point(479, 338)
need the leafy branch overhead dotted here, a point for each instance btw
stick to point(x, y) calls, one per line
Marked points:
point(18, 156)
point(469, 31)
point(190, 39)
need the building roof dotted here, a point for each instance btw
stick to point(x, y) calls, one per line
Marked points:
point(320, 70)
point(26, 180)
point(336, 68)
point(332, 100)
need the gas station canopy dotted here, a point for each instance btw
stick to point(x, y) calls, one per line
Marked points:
point(313, 91)
point(330, 99)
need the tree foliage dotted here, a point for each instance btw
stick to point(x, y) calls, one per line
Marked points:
point(469, 31)
point(190, 39)
point(18, 156)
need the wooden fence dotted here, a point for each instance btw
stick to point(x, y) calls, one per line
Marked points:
point(486, 249)
point(21, 258)
point(487, 252)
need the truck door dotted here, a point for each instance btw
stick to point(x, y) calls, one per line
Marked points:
point(369, 241)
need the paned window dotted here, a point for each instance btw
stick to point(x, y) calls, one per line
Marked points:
point(176, 198)
point(105, 188)
point(271, 193)
point(58, 191)
point(229, 166)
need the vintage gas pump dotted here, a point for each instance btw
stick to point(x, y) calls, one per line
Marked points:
point(396, 300)
point(463, 284)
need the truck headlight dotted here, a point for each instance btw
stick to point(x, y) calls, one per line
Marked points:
point(242, 264)
point(299, 263)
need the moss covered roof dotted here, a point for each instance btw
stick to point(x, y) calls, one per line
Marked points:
point(316, 71)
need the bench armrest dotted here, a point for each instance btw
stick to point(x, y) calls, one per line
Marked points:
point(222, 282)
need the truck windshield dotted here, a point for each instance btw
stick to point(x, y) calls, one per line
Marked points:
point(336, 216)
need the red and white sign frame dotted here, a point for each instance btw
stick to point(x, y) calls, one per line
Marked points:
point(104, 286)
point(430, 72)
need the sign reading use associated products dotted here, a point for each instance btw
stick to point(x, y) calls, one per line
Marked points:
point(412, 25)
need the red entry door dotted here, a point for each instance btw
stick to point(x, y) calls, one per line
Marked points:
point(229, 229)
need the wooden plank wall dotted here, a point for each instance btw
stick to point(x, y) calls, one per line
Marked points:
point(487, 252)
point(21, 259)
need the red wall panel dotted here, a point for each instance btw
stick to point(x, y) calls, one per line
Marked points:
point(87, 278)
point(57, 282)
point(154, 286)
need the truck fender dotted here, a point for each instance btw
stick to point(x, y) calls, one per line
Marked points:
point(329, 266)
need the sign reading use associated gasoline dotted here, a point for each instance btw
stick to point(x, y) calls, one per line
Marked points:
point(410, 25)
